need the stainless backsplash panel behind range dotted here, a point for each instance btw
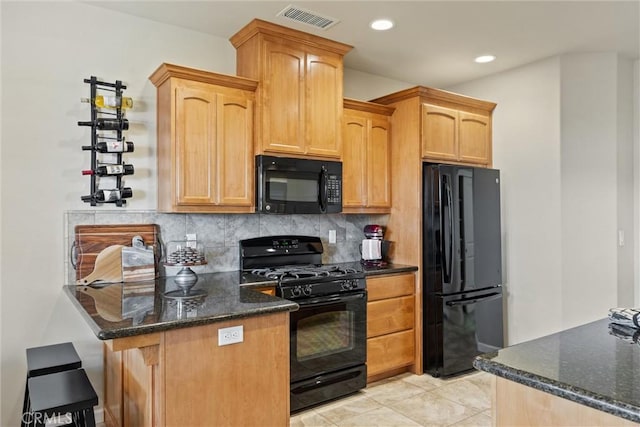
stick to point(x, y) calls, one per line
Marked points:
point(220, 233)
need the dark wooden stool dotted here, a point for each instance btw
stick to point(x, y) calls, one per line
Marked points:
point(66, 397)
point(48, 359)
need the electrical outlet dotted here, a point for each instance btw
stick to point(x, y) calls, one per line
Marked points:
point(191, 240)
point(332, 237)
point(232, 335)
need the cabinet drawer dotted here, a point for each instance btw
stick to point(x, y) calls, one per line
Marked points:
point(390, 315)
point(389, 352)
point(381, 287)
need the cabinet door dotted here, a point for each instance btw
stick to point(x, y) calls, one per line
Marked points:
point(323, 105)
point(282, 103)
point(474, 138)
point(354, 162)
point(389, 315)
point(439, 133)
point(388, 352)
point(195, 144)
point(243, 384)
point(234, 166)
point(379, 163)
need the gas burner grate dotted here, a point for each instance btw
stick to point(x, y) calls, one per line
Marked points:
point(293, 272)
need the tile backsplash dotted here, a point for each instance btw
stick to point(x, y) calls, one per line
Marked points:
point(220, 233)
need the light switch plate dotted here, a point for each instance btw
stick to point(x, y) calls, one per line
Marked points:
point(231, 335)
point(332, 237)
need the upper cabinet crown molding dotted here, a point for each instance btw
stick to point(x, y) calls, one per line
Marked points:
point(263, 27)
point(166, 71)
point(439, 97)
point(369, 107)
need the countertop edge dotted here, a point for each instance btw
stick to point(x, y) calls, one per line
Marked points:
point(574, 394)
point(190, 323)
point(103, 335)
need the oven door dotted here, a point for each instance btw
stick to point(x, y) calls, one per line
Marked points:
point(328, 334)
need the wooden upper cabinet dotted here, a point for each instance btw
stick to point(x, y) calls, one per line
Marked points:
point(205, 141)
point(366, 161)
point(195, 144)
point(453, 128)
point(439, 132)
point(299, 100)
point(474, 138)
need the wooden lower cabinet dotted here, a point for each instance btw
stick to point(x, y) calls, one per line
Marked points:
point(183, 378)
point(515, 404)
point(391, 338)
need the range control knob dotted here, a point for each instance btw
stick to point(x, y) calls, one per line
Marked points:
point(297, 291)
point(307, 290)
point(349, 284)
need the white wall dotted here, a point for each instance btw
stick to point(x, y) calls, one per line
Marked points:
point(636, 182)
point(48, 48)
point(365, 86)
point(561, 134)
point(627, 118)
point(526, 149)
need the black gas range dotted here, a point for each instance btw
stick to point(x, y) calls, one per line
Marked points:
point(295, 262)
point(328, 332)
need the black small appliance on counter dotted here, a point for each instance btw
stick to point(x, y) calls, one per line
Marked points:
point(328, 334)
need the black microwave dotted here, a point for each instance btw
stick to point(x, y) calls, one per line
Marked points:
point(286, 185)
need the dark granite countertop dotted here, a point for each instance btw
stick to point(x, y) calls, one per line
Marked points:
point(587, 364)
point(120, 310)
point(117, 310)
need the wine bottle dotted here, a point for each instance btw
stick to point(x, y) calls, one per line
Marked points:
point(113, 195)
point(110, 170)
point(108, 124)
point(111, 147)
point(111, 102)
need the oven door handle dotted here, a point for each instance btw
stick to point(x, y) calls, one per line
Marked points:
point(331, 299)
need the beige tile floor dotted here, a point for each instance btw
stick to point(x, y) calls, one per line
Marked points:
point(408, 400)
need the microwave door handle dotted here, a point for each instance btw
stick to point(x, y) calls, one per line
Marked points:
point(323, 190)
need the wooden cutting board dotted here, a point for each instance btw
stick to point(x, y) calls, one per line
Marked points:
point(108, 267)
point(90, 240)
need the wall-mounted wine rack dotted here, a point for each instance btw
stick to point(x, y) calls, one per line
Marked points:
point(107, 125)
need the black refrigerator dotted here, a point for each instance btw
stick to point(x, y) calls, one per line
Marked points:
point(462, 267)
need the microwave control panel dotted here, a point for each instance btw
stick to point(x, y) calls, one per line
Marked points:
point(334, 187)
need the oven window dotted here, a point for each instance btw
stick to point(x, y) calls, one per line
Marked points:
point(292, 189)
point(324, 334)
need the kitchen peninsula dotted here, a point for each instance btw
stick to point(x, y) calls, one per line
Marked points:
point(163, 361)
point(587, 375)
point(163, 365)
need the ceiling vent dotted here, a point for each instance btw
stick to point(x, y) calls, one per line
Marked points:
point(308, 17)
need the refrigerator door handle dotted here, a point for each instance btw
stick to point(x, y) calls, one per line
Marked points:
point(472, 300)
point(448, 260)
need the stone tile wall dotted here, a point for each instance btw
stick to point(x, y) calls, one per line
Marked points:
point(220, 233)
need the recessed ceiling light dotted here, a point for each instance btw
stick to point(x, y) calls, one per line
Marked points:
point(484, 59)
point(381, 24)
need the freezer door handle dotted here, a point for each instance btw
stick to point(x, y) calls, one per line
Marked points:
point(448, 260)
point(472, 300)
